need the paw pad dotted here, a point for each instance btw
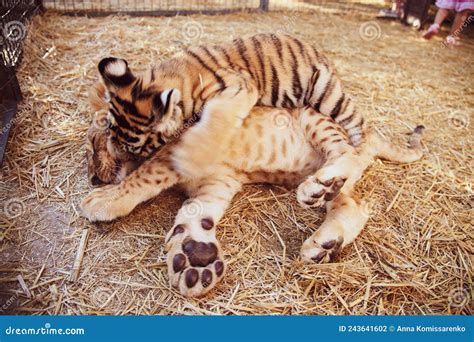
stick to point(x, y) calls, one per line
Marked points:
point(194, 267)
point(179, 261)
point(330, 250)
point(207, 223)
point(219, 268)
point(206, 278)
point(178, 230)
point(192, 277)
point(200, 253)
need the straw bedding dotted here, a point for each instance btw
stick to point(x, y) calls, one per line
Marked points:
point(413, 257)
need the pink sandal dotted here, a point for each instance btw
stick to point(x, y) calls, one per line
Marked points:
point(434, 29)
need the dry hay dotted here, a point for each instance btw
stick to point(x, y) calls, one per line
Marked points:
point(413, 256)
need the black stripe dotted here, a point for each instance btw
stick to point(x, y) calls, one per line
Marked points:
point(168, 101)
point(132, 119)
point(127, 137)
point(259, 52)
point(304, 53)
point(277, 43)
point(311, 87)
point(145, 95)
point(355, 124)
point(130, 108)
point(205, 66)
point(287, 102)
point(242, 50)
point(214, 59)
point(136, 89)
point(296, 83)
point(344, 122)
point(227, 57)
point(336, 110)
point(317, 106)
point(275, 86)
point(123, 123)
point(160, 139)
point(147, 142)
point(316, 52)
point(346, 103)
point(119, 81)
point(152, 76)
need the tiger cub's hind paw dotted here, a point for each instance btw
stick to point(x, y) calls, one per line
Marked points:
point(314, 192)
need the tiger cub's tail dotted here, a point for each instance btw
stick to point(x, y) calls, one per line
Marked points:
point(385, 149)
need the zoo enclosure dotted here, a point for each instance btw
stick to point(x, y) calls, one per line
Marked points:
point(14, 15)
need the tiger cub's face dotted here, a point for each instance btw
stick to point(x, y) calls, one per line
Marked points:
point(140, 115)
point(102, 166)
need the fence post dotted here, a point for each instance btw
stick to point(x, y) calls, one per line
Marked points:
point(264, 5)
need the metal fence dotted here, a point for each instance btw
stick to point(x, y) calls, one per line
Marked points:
point(14, 15)
point(180, 7)
point(153, 7)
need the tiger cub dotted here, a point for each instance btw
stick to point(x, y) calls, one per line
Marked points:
point(226, 81)
point(292, 147)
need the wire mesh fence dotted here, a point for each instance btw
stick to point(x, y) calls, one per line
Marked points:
point(152, 7)
point(13, 17)
point(174, 7)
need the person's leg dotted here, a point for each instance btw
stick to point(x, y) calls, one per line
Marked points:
point(390, 13)
point(441, 15)
point(397, 7)
point(459, 20)
point(433, 29)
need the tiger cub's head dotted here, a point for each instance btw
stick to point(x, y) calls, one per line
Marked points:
point(142, 114)
point(104, 167)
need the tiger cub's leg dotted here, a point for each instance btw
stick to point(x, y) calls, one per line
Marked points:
point(340, 159)
point(195, 260)
point(328, 97)
point(344, 221)
point(112, 201)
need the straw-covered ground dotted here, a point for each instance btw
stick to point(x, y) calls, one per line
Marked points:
point(414, 256)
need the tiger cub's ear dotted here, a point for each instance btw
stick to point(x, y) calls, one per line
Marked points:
point(98, 97)
point(115, 73)
point(168, 115)
point(164, 103)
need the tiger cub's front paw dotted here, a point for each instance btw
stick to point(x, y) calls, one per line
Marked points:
point(105, 204)
point(194, 267)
